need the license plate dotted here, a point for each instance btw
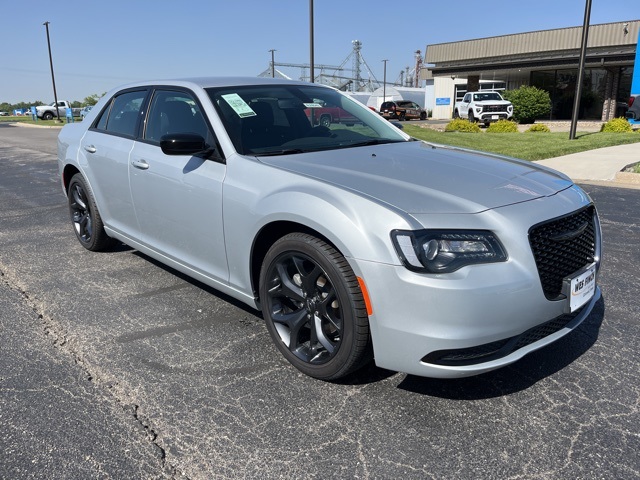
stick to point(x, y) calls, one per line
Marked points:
point(495, 117)
point(580, 287)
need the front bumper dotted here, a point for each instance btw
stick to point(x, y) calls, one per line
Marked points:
point(478, 318)
point(492, 117)
point(492, 315)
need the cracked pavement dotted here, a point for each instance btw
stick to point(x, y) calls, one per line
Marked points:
point(114, 366)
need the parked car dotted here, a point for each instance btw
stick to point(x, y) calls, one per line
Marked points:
point(356, 242)
point(633, 113)
point(484, 107)
point(4, 114)
point(320, 113)
point(49, 112)
point(85, 111)
point(402, 110)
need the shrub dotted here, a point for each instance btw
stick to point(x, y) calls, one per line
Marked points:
point(461, 125)
point(529, 103)
point(538, 127)
point(503, 126)
point(617, 125)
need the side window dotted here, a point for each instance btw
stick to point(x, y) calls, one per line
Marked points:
point(174, 112)
point(121, 116)
point(467, 98)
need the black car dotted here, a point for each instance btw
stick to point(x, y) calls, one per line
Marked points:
point(402, 110)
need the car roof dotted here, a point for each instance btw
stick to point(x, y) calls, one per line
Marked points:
point(207, 82)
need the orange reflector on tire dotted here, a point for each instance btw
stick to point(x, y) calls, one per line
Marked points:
point(365, 295)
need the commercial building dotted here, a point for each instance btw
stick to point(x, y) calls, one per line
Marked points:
point(547, 59)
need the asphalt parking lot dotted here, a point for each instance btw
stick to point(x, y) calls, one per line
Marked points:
point(114, 366)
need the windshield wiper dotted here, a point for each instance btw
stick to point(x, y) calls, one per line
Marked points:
point(375, 141)
point(286, 151)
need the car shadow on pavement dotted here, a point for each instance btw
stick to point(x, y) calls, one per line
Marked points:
point(520, 375)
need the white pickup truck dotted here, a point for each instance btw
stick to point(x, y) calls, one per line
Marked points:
point(484, 107)
point(48, 112)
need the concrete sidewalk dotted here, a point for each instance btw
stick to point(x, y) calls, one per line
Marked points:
point(600, 165)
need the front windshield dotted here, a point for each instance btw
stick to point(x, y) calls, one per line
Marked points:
point(481, 97)
point(280, 119)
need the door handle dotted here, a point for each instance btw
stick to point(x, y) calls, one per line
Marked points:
point(90, 148)
point(141, 164)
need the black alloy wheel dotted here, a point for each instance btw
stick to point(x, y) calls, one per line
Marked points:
point(86, 221)
point(423, 115)
point(314, 308)
point(471, 118)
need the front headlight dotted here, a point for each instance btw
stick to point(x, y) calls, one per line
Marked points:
point(445, 251)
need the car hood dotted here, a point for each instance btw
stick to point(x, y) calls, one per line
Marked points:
point(492, 102)
point(420, 178)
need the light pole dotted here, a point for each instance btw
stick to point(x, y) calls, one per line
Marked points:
point(53, 78)
point(583, 54)
point(384, 81)
point(312, 73)
point(273, 65)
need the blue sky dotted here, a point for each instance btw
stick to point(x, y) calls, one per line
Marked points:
point(99, 45)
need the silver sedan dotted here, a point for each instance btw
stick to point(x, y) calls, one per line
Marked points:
point(356, 241)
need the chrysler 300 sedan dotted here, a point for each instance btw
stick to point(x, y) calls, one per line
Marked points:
point(356, 241)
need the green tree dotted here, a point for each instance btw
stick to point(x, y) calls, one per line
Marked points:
point(529, 103)
point(92, 99)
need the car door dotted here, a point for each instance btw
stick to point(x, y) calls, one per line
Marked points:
point(106, 148)
point(463, 109)
point(178, 198)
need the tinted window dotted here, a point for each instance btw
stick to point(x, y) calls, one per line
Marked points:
point(174, 112)
point(121, 116)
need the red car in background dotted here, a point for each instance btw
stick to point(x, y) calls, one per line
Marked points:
point(326, 115)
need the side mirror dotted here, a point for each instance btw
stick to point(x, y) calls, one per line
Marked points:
point(182, 144)
point(397, 124)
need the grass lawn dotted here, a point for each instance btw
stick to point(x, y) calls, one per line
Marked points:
point(528, 146)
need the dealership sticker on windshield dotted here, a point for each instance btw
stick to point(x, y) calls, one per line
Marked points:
point(580, 287)
point(239, 106)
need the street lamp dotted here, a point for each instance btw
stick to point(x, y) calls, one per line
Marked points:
point(583, 54)
point(53, 78)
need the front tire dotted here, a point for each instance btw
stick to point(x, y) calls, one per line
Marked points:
point(85, 218)
point(313, 307)
point(470, 116)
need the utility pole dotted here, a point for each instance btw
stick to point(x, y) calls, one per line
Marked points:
point(273, 63)
point(583, 54)
point(311, 60)
point(384, 81)
point(53, 78)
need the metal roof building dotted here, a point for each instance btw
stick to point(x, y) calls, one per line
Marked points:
point(547, 59)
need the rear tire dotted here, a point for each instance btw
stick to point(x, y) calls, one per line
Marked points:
point(47, 116)
point(85, 218)
point(313, 307)
point(456, 114)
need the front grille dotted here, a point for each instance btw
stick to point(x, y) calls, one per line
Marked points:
point(561, 247)
point(494, 108)
point(501, 348)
